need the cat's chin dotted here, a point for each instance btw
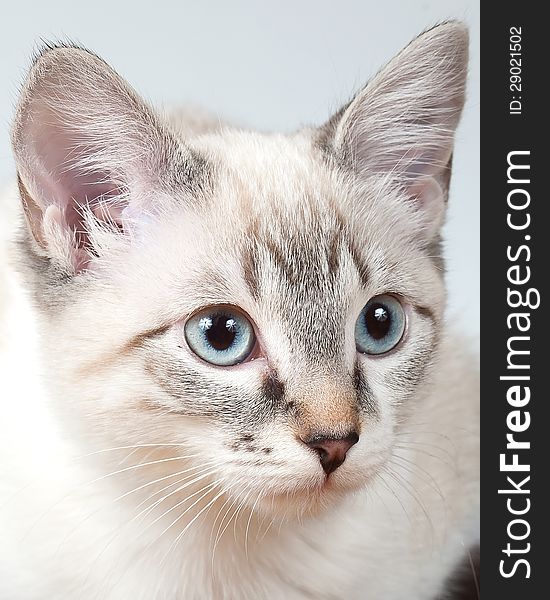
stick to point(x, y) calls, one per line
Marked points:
point(307, 501)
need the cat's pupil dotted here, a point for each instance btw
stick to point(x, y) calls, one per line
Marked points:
point(378, 321)
point(220, 331)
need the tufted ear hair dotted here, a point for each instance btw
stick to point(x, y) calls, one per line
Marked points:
point(401, 125)
point(91, 156)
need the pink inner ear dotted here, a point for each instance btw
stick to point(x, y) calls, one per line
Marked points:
point(428, 194)
point(64, 178)
point(109, 213)
point(426, 191)
point(101, 199)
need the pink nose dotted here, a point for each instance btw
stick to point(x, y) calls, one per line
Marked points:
point(331, 450)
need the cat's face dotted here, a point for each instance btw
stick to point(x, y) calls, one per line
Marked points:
point(267, 307)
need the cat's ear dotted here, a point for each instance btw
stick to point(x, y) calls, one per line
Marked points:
point(91, 155)
point(401, 125)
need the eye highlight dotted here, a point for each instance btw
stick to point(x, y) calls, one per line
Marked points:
point(222, 336)
point(380, 325)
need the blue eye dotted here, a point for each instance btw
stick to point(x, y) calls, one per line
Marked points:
point(221, 336)
point(380, 325)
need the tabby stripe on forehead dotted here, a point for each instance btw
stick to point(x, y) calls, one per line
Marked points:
point(341, 237)
point(360, 265)
point(251, 264)
point(251, 272)
point(294, 270)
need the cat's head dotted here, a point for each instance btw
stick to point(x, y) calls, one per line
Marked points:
point(265, 306)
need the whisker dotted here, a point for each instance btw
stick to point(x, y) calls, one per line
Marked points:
point(416, 432)
point(118, 529)
point(201, 469)
point(149, 483)
point(271, 522)
point(97, 479)
point(148, 510)
point(133, 447)
point(398, 478)
point(226, 503)
point(141, 465)
point(204, 508)
point(208, 488)
point(410, 444)
point(417, 470)
point(248, 524)
point(474, 574)
point(396, 497)
point(207, 507)
point(221, 531)
point(261, 524)
point(242, 505)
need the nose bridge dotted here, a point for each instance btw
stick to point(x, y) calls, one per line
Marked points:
point(327, 408)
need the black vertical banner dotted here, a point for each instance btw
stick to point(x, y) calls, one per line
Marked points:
point(515, 338)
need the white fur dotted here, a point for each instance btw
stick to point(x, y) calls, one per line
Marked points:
point(55, 525)
point(87, 436)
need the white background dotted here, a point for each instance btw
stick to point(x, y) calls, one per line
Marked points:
point(269, 65)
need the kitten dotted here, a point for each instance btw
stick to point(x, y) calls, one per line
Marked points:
point(226, 370)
